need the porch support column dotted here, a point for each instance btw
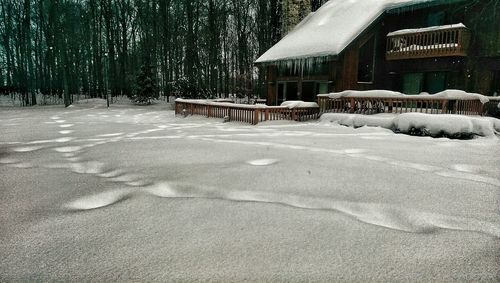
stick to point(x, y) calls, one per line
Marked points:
point(271, 85)
point(299, 85)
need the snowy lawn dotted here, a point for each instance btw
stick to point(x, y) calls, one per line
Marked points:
point(137, 194)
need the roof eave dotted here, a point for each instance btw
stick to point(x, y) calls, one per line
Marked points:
point(330, 57)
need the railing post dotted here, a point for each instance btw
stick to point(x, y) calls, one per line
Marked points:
point(294, 114)
point(444, 106)
point(209, 111)
point(322, 104)
point(256, 116)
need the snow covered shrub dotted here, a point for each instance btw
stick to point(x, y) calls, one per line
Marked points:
point(421, 124)
point(188, 88)
point(451, 126)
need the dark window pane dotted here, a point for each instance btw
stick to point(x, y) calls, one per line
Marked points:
point(308, 93)
point(366, 61)
point(284, 71)
point(317, 69)
point(436, 18)
point(291, 91)
point(412, 83)
point(495, 88)
point(435, 82)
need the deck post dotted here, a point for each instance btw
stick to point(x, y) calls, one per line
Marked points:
point(444, 106)
point(294, 114)
point(256, 116)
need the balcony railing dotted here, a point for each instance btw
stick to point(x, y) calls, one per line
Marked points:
point(439, 41)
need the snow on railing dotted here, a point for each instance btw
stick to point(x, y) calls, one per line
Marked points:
point(253, 114)
point(380, 101)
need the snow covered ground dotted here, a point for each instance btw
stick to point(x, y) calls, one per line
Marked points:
point(136, 194)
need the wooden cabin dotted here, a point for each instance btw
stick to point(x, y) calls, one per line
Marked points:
point(410, 46)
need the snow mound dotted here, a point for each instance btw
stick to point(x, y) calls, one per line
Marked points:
point(299, 104)
point(459, 94)
point(98, 200)
point(262, 162)
point(227, 100)
point(365, 93)
point(91, 102)
point(443, 125)
point(358, 120)
point(446, 125)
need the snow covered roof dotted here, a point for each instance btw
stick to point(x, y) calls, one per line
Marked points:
point(329, 30)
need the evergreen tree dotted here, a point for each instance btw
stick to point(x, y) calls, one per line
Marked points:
point(146, 86)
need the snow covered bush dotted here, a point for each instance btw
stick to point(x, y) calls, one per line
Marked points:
point(452, 126)
point(421, 124)
point(298, 103)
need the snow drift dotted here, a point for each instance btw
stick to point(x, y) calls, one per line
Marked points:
point(299, 104)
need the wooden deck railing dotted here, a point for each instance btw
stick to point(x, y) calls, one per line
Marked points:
point(492, 107)
point(373, 105)
point(427, 43)
point(252, 114)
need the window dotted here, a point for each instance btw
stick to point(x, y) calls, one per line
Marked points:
point(435, 82)
point(308, 93)
point(436, 19)
point(495, 88)
point(317, 69)
point(366, 61)
point(430, 82)
point(412, 83)
point(286, 91)
point(322, 87)
point(312, 88)
point(285, 71)
point(281, 95)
